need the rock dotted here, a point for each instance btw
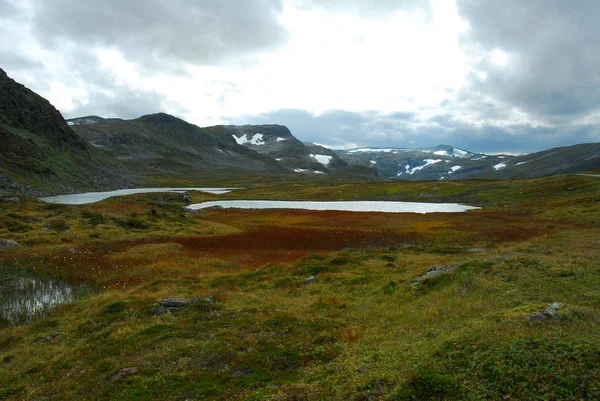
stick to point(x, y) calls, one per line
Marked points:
point(186, 197)
point(476, 249)
point(208, 300)
point(310, 280)
point(8, 243)
point(173, 302)
point(550, 312)
point(49, 338)
point(123, 373)
point(536, 317)
point(436, 271)
point(157, 311)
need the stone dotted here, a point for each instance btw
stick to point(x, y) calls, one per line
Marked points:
point(186, 197)
point(8, 243)
point(552, 310)
point(310, 280)
point(476, 249)
point(157, 311)
point(436, 271)
point(173, 302)
point(49, 338)
point(123, 373)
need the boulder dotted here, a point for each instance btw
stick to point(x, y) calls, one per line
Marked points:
point(310, 280)
point(186, 197)
point(8, 243)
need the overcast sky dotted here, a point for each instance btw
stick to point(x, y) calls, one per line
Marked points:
point(483, 75)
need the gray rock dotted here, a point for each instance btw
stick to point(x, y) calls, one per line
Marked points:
point(476, 249)
point(157, 311)
point(310, 280)
point(8, 243)
point(552, 310)
point(49, 338)
point(173, 302)
point(436, 271)
point(123, 373)
point(186, 197)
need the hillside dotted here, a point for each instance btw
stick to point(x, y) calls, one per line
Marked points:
point(160, 145)
point(41, 154)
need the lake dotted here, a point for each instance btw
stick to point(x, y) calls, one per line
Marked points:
point(349, 206)
point(91, 197)
point(24, 297)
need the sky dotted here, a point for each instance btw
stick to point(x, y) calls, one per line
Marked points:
point(483, 75)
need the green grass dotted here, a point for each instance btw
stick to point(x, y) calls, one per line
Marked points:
point(365, 329)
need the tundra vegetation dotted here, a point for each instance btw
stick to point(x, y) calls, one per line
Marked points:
point(401, 306)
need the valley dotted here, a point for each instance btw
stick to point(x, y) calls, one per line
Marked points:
point(299, 304)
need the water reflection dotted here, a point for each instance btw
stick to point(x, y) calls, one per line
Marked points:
point(24, 299)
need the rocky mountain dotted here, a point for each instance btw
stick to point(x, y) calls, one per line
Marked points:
point(278, 143)
point(41, 154)
point(447, 163)
point(160, 145)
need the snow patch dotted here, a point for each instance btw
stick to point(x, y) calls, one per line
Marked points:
point(428, 162)
point(318, 172)
point(518, 164)
point(454, 169)
point(441, 153)
point(257, 139)
point(323, 159)
point(278, 159)
point(499, 166)
point(70, 123)
point(300, 170)
point(279, 139)
point(373, 162)
point(460, 153)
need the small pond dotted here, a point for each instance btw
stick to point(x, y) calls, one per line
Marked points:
point(24, 297)
point(91, 197)
point(349, 206)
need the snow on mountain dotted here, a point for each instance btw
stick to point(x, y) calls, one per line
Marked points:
point(257, 139)
point(323, 159)
point(499, 166)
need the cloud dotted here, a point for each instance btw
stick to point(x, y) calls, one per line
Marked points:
point(374, 8)
point(551, 55)
point(163, 34)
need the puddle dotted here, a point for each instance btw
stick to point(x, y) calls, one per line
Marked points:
point(24, 298)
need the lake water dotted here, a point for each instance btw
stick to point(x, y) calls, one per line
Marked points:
point(24, 298)
point(91, 197)
point(349, 206)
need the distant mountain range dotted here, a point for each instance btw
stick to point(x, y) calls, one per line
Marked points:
point(42, 153)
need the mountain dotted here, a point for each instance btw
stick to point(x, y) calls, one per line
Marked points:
point(278, 143)
point(444, 162)
point(160, 145)
point(41, 154)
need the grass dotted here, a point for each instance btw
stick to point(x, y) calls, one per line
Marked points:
point(365, 329)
